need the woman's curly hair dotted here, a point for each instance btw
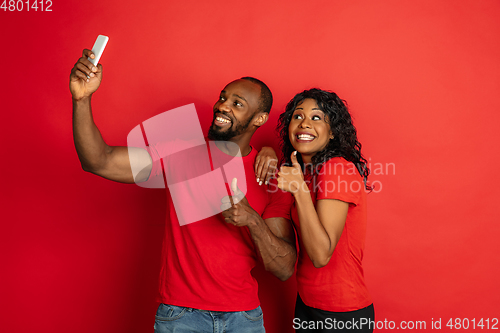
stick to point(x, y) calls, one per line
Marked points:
point(344, 143)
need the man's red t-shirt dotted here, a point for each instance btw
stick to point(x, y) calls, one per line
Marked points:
point(339, 286)
point(206, 264)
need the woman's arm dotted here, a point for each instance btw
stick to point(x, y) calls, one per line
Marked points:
point(320, 226)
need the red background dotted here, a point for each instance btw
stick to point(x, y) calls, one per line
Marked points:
point(81, 254)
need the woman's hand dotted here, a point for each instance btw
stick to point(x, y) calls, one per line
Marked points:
point(291, 179)
point(266, 164)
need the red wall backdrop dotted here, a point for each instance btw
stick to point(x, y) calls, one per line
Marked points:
point(81, 254)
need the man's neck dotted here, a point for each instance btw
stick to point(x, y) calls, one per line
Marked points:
point(238, 144)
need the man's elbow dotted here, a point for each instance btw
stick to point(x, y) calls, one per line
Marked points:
point(86, 167)
point(286, 276)
point(91, 168)
point(94, 164)
point(283, 275)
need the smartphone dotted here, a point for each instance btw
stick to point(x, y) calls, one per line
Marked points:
point(98, 48)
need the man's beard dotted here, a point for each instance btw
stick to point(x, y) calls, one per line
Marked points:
point(217, 135)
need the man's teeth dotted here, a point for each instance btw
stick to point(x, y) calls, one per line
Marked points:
point(305, 137)
point(222, 120)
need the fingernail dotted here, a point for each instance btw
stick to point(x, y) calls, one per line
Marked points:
point(92, 55)
point(265, 183)
point(295, 153)
point(92, 74)
point(260, 183)
point(258, 180)
point(88, 80)
point(94, 69)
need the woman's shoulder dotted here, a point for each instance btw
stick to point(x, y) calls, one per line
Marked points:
point(340, 179)
point(338, 160)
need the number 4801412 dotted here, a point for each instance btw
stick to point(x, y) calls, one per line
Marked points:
point(465, 323)
point(27, 5)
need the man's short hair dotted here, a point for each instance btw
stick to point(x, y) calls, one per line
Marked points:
point(266, 97)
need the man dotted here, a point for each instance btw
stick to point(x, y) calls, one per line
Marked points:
point(205, 280)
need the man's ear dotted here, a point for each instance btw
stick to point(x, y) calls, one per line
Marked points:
point(261, 119)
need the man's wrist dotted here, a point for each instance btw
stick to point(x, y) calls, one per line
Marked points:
point(82, 100)
point(255, 222)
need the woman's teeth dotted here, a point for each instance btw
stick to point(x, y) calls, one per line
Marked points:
point(305, 137)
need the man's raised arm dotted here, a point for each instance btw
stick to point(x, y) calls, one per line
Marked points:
point(110, 162)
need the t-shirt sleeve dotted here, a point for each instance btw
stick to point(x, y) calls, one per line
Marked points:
point(339, 179)
point(155, 157)
point(280, 203)
point(155, 179)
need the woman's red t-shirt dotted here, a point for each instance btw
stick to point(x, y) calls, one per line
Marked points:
point(339, 286)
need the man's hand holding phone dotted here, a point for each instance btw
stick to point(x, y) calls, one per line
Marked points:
point(85, 78)
point(86, 75)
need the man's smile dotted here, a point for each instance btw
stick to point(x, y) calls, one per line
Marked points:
point(222, 120)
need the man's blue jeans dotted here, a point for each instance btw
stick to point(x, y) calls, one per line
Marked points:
point(171, 318)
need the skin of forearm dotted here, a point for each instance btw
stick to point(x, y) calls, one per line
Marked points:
point(277, 255)
point(89, 144)
point(314, 236)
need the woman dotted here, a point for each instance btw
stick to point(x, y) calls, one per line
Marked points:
point(328, 179)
